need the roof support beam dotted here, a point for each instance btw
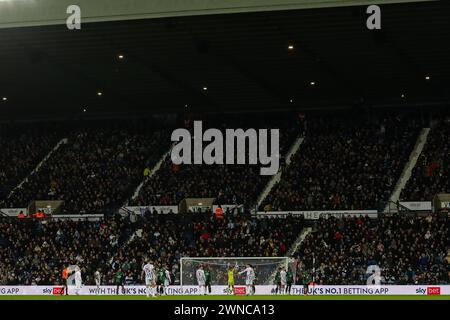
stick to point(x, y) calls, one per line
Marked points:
point(22, 13)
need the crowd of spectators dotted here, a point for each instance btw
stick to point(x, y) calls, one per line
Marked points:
point(345, 163)
point(431, 175)
point(167, 238)
point(102, 163)
point(22, 148)
point(408, 250)
point(229, 184)
point(238, 185)
point(35, 252)
point(98, 168)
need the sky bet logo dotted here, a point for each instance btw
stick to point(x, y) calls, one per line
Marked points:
point(58, 291)
point(434, 290)
point(429, 291)
point(240, 291)
point(47, 290)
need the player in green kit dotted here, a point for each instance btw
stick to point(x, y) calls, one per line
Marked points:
point(119, 281)
point(289, 281)
point(304, 280)
point(208, 279)
point(278, 281)
point(161, 280)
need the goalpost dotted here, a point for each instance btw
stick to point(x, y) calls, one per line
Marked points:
point(265, 269)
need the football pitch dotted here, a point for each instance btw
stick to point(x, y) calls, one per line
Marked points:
point(228, 298)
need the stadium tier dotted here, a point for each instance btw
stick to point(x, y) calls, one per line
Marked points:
point(96, 168)
point(345, 163)
point(22, 148)
point(229, 184)
point(409, 250)
point(431, 174)
point(36, 253)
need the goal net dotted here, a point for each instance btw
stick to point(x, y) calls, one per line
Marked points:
point(265, 269)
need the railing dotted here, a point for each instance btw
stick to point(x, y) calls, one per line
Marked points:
point(125, 209)
point(396, 207)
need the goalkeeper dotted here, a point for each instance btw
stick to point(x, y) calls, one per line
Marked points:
point(230, 280)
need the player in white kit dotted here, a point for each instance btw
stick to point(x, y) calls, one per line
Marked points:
point(78, 280)
point(249, 278)
point(201, 280)
point(283, 280)
point(167, 280)
point(98, 280)
point(148, 271)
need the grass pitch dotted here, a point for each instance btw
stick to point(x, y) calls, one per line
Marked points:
point(230, 298)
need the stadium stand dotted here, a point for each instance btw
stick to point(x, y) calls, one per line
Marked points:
point(408, 249)
point(229, 184)
point(431, 174)
point(99, 167)
point(22, 148)
point(346, 163)
point(35, 253)
point(90, 96)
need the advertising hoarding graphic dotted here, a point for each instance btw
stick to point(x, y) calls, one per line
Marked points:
point(433, 290)
point(240, 291)
point(58, 291)
point(378, 290)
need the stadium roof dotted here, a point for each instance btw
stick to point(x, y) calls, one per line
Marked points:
point(229, 62)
